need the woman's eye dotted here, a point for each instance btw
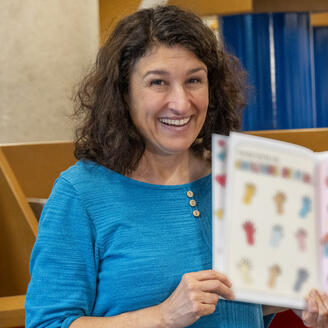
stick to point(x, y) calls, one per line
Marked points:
point(157, 82)
point(194, 80)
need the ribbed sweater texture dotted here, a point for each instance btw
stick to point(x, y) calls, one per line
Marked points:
point(108, 244)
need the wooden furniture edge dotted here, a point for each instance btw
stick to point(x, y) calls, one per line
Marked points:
point(12, 311)
point(18, 193)
point(287, 131)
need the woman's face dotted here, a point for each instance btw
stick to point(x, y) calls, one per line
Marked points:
point(168, 98)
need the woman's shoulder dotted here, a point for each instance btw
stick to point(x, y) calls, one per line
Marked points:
point(86, 175)
point(85, 170)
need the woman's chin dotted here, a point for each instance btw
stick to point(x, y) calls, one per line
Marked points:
point(170, 150)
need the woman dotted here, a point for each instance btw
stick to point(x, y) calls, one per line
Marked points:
point(125, 238)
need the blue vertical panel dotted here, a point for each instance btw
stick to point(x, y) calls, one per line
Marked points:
point(247, 36)
point(293, 70)
point(320, 42)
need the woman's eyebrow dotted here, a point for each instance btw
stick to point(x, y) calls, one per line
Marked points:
point(194, 70)
point(163, 72)
point(158, 72)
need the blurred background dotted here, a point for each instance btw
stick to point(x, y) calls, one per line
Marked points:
point(47, 46)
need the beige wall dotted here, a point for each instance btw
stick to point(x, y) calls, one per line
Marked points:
point(46, 46)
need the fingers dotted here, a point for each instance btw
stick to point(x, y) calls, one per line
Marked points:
point(207, 298)
point(196, 295)
point(316, 314)
point(212, 274)
point(310, 316)
point(323, 310)
point(201, 309)
point(209, 281)
point(217, 287)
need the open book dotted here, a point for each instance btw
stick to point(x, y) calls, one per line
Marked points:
point(270, 218)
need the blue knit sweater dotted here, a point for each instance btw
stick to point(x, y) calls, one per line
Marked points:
point(108, 244)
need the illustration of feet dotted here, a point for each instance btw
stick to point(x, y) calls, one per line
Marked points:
point(245, 268)
point(302, 276)
point(276, 236)
point(279, 199)
point(249, 193)
point(324, 242)
point(306, 207)
point(221, 179)
point(219, 213)
point(250, 231)
point(274, 272)
point(301, 239)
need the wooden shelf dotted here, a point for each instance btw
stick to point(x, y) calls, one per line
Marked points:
point(319, 19)
point(26, 170)
point(110, 12)
point(314, 139)
point(43, 163)
point(12, 313)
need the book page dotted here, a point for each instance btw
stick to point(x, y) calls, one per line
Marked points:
point(322, 182)
point(270, 230)
point(219, 149)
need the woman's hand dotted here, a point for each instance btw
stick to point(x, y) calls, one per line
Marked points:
point(316, 314)
point(196, 295)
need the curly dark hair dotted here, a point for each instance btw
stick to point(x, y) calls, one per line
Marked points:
point(106, 134)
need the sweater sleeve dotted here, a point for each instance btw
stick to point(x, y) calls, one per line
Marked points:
point(64, 262)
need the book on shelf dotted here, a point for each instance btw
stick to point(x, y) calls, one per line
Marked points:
point(270, 218)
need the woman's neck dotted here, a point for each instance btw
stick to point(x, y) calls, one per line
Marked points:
point(170, 169)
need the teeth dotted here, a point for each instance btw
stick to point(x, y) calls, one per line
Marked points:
point(175, 122)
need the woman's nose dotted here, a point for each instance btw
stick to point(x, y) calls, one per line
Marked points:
point(179, 100)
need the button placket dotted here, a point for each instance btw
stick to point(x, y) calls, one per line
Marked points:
point(193, 203)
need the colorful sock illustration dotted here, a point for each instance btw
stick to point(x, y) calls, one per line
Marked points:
point(245, 268)
point(306, 178)
point(274, 272)
point(244, 165)
point(324, 242)
point(249, 193)
point(301, 239)
point(221, 143)
point(297, 175)
point(279, 199)
point(306, 207)
point(255, 167)
point(302, 276)
point(238, 164)
point(221, 179)
point(276, 235)
point(286, 172)
point(250, 231)
point(219, 213)
point(221, 155)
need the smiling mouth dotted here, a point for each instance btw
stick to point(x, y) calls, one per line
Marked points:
point(171, 122)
